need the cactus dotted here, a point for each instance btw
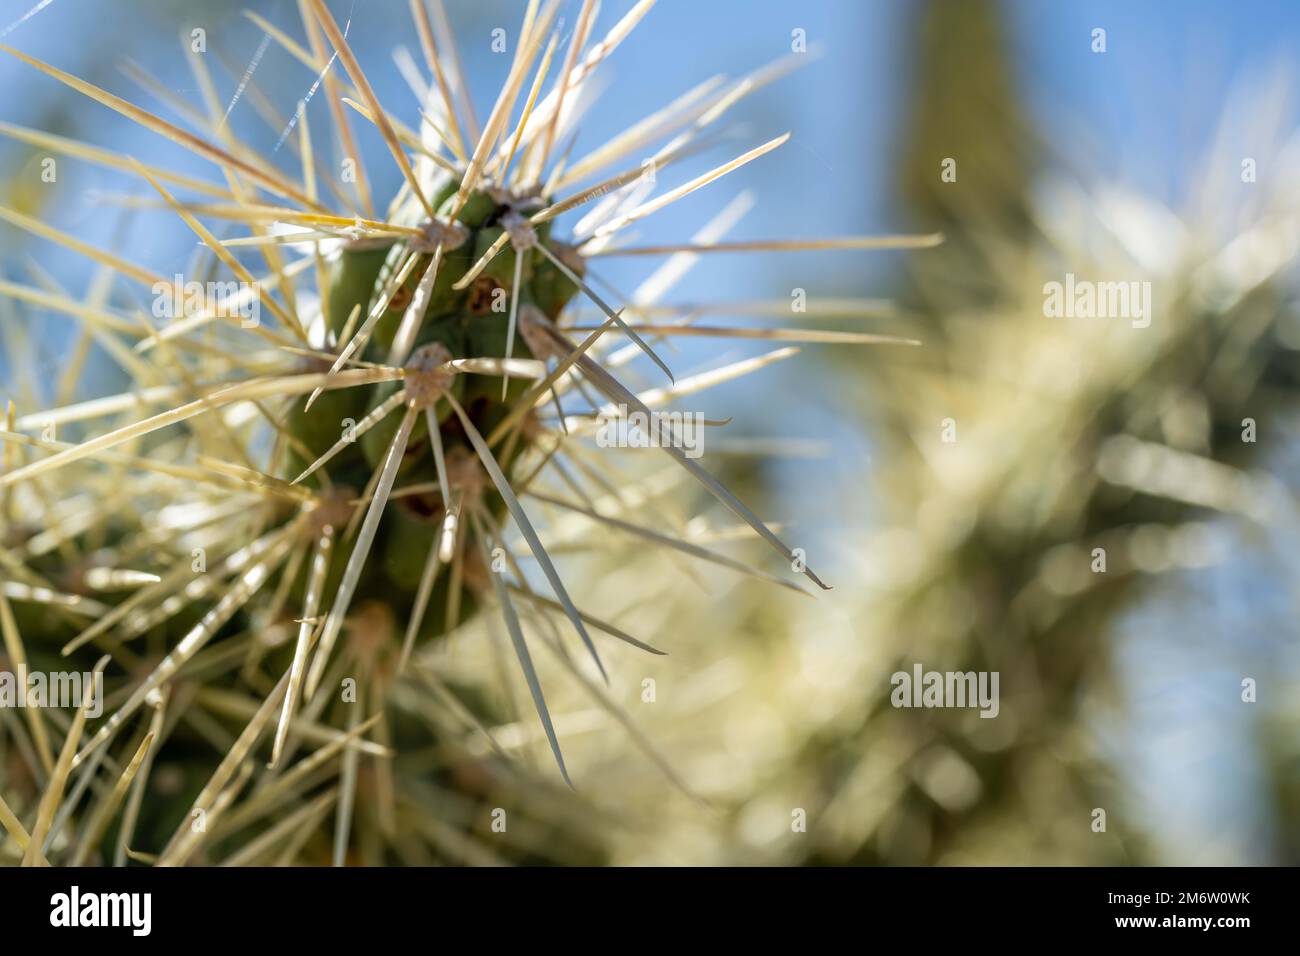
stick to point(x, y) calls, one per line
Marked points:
point(341, 494)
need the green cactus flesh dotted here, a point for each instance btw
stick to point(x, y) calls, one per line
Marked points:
point(469, 323)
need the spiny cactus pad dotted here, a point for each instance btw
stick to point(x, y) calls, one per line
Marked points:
point(462, 320)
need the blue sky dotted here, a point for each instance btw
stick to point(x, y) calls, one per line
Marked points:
point(1141, 111)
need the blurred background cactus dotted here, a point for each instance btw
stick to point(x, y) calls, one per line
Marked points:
point(1098, 510)
point(1087, 507)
